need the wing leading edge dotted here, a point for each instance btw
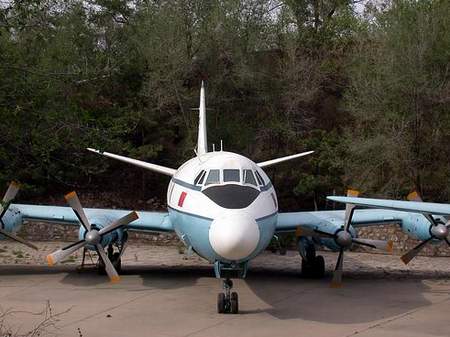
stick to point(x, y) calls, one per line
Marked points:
point(399, 205)
point(288, 222)
point(148, 221)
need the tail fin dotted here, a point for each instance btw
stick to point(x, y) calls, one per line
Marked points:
point(202, 142)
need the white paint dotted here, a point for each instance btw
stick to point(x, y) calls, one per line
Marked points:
point(234, 236)
point(202, 141)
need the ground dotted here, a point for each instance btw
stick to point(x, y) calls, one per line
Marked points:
point(164, 293)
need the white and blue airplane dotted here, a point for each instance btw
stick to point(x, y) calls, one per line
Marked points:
point(222, 206)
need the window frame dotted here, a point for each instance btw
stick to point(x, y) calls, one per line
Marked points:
point(260, 179)
point(199, 179)
point(245, 173)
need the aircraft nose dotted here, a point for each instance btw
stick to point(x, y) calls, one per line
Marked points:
point(234, 237)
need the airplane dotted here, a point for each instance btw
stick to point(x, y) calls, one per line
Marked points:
point(222, 206)
point(425, 221)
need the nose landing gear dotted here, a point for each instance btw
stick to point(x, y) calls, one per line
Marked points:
point(227, 302)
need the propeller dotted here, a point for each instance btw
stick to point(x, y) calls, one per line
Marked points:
point(438, 231)
point(9, 196)
point(92, 237)
point(345, 240)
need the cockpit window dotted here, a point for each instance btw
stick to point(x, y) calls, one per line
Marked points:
point(249, 178)
point(259, 178)
point(213, 177)
point(200, 177)
point(231, 175)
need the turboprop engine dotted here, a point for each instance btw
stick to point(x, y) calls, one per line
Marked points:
point(117, 236)
point(94, 237)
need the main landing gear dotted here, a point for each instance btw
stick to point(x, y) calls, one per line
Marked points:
point(227, 302)
point(313, 266)
point(115, 257)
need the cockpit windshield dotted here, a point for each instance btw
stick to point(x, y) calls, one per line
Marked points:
point(216, 176)
point(231, 175)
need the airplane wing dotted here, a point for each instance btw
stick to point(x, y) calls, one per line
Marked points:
point(288, 222)
point(148, 221)
point(399, 205)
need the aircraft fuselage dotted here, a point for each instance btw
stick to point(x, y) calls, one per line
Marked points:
point(223, 206)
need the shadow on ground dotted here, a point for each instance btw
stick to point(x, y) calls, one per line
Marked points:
point(365, 297)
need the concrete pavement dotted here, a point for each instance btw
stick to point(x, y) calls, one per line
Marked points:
point(179, 299)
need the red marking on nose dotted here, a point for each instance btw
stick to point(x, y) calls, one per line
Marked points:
point(182, 197)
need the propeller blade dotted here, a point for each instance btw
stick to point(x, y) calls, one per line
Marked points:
point(377, 244)
point(110, 270)
point(406, 258)
point(414, 196)
point(349, 210)
point(125, 220)
point(63, 253)
point(337, 274)
point(74, 202)
point(11, 193)
point(17, 238)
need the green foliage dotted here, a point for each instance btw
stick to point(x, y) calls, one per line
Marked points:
point(369, 96)
point(398, 98)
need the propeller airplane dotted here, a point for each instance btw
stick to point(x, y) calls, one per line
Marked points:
point(223, 207)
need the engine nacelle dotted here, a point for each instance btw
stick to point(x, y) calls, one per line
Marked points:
point(116, 236)
point(12, 220)
point(417, 226)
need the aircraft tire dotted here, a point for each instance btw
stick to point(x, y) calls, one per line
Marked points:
point(221, 303)
point(319, 267)
point(234, 305)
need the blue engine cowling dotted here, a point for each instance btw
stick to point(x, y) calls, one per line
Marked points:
point(116, 236)
point(418, 227)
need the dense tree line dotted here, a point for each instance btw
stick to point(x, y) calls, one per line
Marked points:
point(366, 86)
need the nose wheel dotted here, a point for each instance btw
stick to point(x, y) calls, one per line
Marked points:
point(227, 302)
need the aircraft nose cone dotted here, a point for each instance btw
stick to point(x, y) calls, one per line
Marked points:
point(234, 237)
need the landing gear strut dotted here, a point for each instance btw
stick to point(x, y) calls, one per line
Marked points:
point(227, 302)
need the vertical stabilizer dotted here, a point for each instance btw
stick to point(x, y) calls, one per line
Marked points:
point(202, 143)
